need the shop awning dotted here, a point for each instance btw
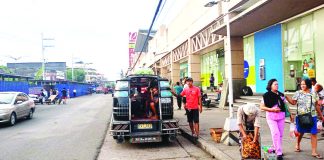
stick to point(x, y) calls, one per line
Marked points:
point(265, 14)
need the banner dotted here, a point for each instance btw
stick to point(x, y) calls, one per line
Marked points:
point(132, 41)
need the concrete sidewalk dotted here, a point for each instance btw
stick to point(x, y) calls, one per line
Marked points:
point(215, 118)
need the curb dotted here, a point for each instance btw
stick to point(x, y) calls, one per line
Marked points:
point(207, 147)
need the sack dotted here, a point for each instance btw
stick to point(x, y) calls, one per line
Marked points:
point(306, 120)
point(250, 150)
point(287, 113)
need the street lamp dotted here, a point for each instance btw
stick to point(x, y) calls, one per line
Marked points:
point(230, 123)
point(43, 52)
point(229, 55)
point(210, 4)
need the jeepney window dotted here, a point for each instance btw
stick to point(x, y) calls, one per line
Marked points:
point(121, 94)
point(164, 84)
point(166, 93)
point(121, 85)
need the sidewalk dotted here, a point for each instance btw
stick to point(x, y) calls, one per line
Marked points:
point(215, 118)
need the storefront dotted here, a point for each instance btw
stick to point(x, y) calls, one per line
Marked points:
point(301, 50)
point(183, 70)
point(263, 58)
point(212, 63)
point(249, 62)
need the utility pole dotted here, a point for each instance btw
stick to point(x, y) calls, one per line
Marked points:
point(43, 52)
point(72, 69)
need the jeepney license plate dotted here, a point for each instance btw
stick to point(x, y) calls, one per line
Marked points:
point(145, 126)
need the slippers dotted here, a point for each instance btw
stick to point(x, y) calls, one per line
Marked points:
point(317, 156)
point(297, 150)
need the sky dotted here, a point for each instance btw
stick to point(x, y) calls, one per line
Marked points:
point(92, 31)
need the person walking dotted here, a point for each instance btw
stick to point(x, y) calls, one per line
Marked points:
point(274, 104)
point(307, 103)
point(42, 97)
point(314, 83)
point(178, 89)
point(193, 106)
point(184, 97)
point(55, 92)
point(212, 82)
point(74, 93)
point(64, 95)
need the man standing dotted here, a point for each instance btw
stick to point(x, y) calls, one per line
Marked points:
point(193, 106)
point(178, 89)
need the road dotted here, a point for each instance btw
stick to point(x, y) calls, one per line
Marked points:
point(60, 132)
point(77, 131)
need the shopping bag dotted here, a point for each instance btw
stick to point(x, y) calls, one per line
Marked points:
point(292, 130)
point(319, 125)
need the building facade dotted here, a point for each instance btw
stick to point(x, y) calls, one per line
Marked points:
point(269, 39)
point(53, 70)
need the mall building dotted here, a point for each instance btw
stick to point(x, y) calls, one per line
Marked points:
point(269, 39)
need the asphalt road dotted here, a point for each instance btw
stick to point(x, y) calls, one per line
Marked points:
point(78, 131)
point(74, 131)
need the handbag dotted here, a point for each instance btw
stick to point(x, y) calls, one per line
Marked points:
point(287, 113)
point(306, 120)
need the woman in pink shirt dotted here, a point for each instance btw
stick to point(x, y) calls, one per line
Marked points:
point(274, 104)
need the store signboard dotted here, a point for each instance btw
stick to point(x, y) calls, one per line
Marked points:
point(132, 41)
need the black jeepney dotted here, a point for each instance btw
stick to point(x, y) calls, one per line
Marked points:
point(139, 118)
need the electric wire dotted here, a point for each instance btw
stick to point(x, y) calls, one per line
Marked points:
point(149, 32)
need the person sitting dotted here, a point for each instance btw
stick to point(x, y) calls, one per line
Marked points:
point(219, 91)
point(138, 103)
point(248, 119)
point(154, 101)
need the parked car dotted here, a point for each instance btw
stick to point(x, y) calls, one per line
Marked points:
point(15, 105)
point(35, 98)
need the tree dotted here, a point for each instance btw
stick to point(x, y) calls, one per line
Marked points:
point(78, 74)
point(39, 74)
point(6, 70)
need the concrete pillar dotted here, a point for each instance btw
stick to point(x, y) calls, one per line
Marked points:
point(175, 72)
point(194, 70)
point(164, 72)
point(237, 65)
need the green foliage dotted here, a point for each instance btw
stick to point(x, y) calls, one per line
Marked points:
point(6, 70)
point(78, 74)
point(110, 84)
point(148, 71)
point(39, 74)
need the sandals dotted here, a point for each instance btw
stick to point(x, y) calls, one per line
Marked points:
point(317, 156)
point(297, 150)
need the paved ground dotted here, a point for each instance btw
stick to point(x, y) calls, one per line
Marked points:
point(59, 132)
point(181, 149)
point(77, 131)
point(215, 118)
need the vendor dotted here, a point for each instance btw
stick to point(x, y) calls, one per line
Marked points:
point(248, 119)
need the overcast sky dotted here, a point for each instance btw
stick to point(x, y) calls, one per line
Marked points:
point(87, 30)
